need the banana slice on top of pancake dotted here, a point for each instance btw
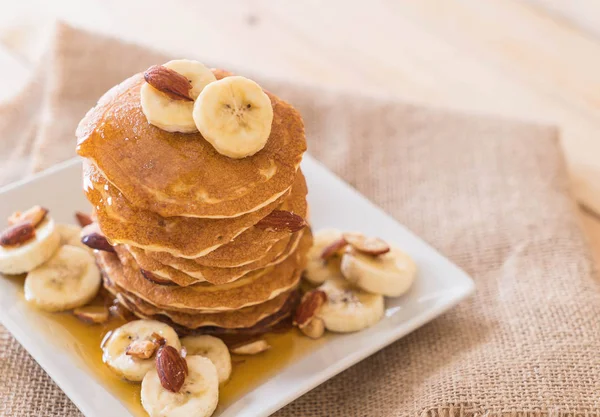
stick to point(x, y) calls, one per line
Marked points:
point(168, 95)
point(235, 116)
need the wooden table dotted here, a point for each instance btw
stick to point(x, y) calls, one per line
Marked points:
point(531, 59)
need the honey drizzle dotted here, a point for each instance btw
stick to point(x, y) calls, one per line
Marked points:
point(83, 342)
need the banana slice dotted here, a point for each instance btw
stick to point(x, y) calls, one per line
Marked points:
point(390, 274)
point(70, 234)
point(69, 279)
point(318, 269)
point(212, 348)
point(349, 309)
point(175, 115)
point(114, 348)
point(234, 115)
point(198, 397)
point(31, 254)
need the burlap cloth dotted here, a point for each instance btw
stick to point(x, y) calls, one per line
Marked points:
point(491, 194)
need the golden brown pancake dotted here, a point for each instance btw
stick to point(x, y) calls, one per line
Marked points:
point(245, 317)
point(189, 272)
point(180, 236)
point(254, 288)
point(181, 174)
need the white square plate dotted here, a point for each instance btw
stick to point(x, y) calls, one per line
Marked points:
point(440, 286)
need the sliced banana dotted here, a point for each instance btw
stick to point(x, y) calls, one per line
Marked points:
point(318, 270)
point(69, 279)
point(114, 349)
point(234, 115)
point(390, 274)
point(349, 309)
point(212, 348)
point(175, 115)
point(198, 397)
point(31, 254)
point(70, 234)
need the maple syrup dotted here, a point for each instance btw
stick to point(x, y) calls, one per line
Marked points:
point(83, 342)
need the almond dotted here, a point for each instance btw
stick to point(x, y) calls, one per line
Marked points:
point(309, 307)
point(92, 314)
point(333, 249)
point(251, 347)
point(280, 221)
point(35, 215)
point(156, 279)
point(159, 340)
point(171, 367)
point(98, 242)
point(314, 329)
point(17, 234)
point(83, 219)
point(368, 245)
point(141, 349)
point(169, 82)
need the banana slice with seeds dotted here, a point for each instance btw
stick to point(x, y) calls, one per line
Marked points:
point(349, 309)
point(320, 268)
point(32, 253)
point(212, 348)
point(390, 274)
point(115, 347)
point(198, 397)
point(234, 115)
point(69, 279)
point(170, 114)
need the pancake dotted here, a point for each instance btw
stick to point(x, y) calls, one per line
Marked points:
point(276, 322)
point(254, 288)
point(180, 236)
point(188, 272)
point(248, 247)
point(245, 317)
point(181, 174)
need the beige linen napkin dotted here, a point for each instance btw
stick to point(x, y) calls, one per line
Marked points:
point(490, 194)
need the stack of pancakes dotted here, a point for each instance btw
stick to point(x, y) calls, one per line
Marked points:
point(187, 223)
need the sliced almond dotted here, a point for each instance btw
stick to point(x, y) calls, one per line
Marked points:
point(250, 348)
point(155, 278)
point(83, 219)
point(35, 215)
point(335, 248)
point(159, 340)
point(171, 367)
point(141, 349)
point(169, 82)
point(92, 314)
point(97, 241)
point(368, 245)
point(280, 221)
point(309, 307)
point(17, 234)
point(314, 329)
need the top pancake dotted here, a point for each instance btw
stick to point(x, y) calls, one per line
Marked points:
point(177, 174)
